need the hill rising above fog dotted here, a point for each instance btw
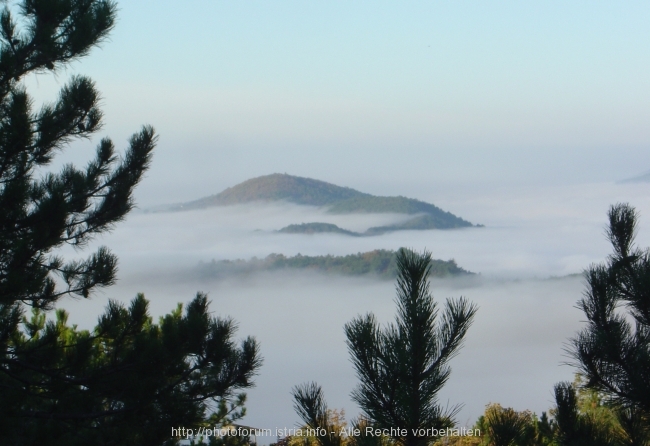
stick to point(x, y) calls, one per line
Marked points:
point(378, 263)
point(337, 199)
point(281, 187)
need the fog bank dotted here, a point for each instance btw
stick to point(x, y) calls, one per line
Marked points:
point(513, 353)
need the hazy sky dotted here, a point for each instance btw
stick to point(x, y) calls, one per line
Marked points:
point(382, 96)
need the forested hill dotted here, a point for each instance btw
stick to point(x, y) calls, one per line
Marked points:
point(379, 263)
point(280, 187)
point(307, 191)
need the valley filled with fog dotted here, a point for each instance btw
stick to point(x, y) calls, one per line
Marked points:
point(528, 257)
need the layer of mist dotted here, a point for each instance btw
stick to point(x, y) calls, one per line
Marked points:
point(529, 256)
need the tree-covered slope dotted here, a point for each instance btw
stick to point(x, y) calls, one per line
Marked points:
point(419, 222)
point(380, 263)
point(374, 204)
point(438, 220)
point(337, 199)
point(279, 187)
point(316, 228)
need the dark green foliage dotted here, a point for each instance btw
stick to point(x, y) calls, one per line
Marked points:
point(380, 262)
point(613, 351)
point(585, 416)
point(310, 405)
point(635, 426)
point(316, 228)
point(126, 382)
point(439, 220)
point(575, 428)
point(419, 223)
point(501, 426)
point(40, 213)
point(402, 367)
point(56, 32)
point(507, 427)
point(365, 438)
point(129, 380)
point(545, 430)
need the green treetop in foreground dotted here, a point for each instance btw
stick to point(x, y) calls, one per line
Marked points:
point(612, 352)
point(402, 367)
point(129, 380)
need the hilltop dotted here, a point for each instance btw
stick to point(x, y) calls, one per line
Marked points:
point(279, 187)
point(337, 199)
point(316, 228)
point(421, 222)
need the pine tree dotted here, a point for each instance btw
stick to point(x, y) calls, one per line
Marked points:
point(574, 427)
point(402, 368)
point(43, 212)
point(507, 427)
point(130, 380)
point(613, 351)
point(310, 405)
point(325, 425)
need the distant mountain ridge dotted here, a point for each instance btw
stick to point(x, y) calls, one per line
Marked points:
point(339, 200)
point(643, 178)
